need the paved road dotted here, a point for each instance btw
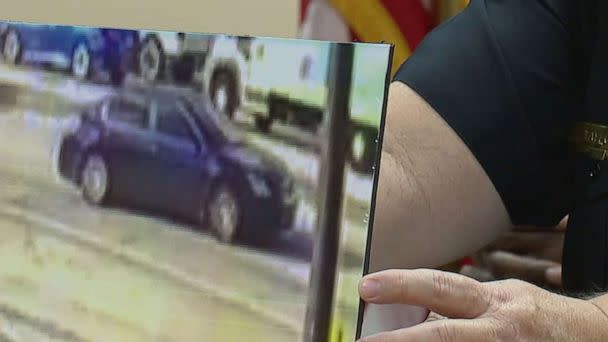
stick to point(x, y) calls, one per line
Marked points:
point(69, 271)
point(88, 295)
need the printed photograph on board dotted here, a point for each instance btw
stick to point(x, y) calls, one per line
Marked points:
point(163, 186)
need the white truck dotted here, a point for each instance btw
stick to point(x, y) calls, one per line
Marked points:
point(287, 81)
point(214, 63)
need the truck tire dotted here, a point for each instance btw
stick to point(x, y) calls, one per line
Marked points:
point(362, 150)
point(223, 93)
point(81, 66)
point(263, 123)
point(309, 119)
point(151, 60)
point(12, 47)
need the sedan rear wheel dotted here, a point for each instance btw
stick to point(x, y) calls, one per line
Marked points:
point(95, 180)
point(224, 214)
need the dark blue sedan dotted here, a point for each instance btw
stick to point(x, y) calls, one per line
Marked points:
point(85, 52)
point(168, 150)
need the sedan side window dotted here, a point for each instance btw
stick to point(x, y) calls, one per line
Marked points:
point(174, 125)
point(129, 113)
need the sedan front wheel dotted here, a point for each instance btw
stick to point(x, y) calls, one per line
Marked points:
point(224, 214)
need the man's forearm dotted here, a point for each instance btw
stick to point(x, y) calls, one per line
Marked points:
point(601, 302)
point(434, 203)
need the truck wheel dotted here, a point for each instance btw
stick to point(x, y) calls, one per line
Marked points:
point(12, 48)
point(151, 60)
point(363, 150)
point(81, 65)
point(263, 123)
point(223, 94)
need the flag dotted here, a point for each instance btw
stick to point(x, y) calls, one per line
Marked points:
point(403, 23)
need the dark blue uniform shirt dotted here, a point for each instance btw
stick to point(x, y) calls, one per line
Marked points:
point(509, 77)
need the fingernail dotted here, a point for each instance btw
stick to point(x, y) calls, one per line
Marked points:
point(370, 288)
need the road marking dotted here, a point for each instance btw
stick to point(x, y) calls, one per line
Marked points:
point(151, 263)
point(11, 318)
point(283, 269)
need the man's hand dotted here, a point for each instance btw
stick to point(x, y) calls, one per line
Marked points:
point(532, 257)
point(508, 310)
point(527, 253)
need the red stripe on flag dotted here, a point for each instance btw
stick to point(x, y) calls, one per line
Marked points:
point(434, 13)
point(303, 9)
point(411, 18)
point(354, 36)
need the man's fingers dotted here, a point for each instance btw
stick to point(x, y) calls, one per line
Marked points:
point(507, 265)
point(541, 245)
point(476, 273)
point(448, 294)
point(446, 330)
point(554, 276)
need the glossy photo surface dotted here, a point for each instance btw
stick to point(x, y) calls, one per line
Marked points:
point(163, 186)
